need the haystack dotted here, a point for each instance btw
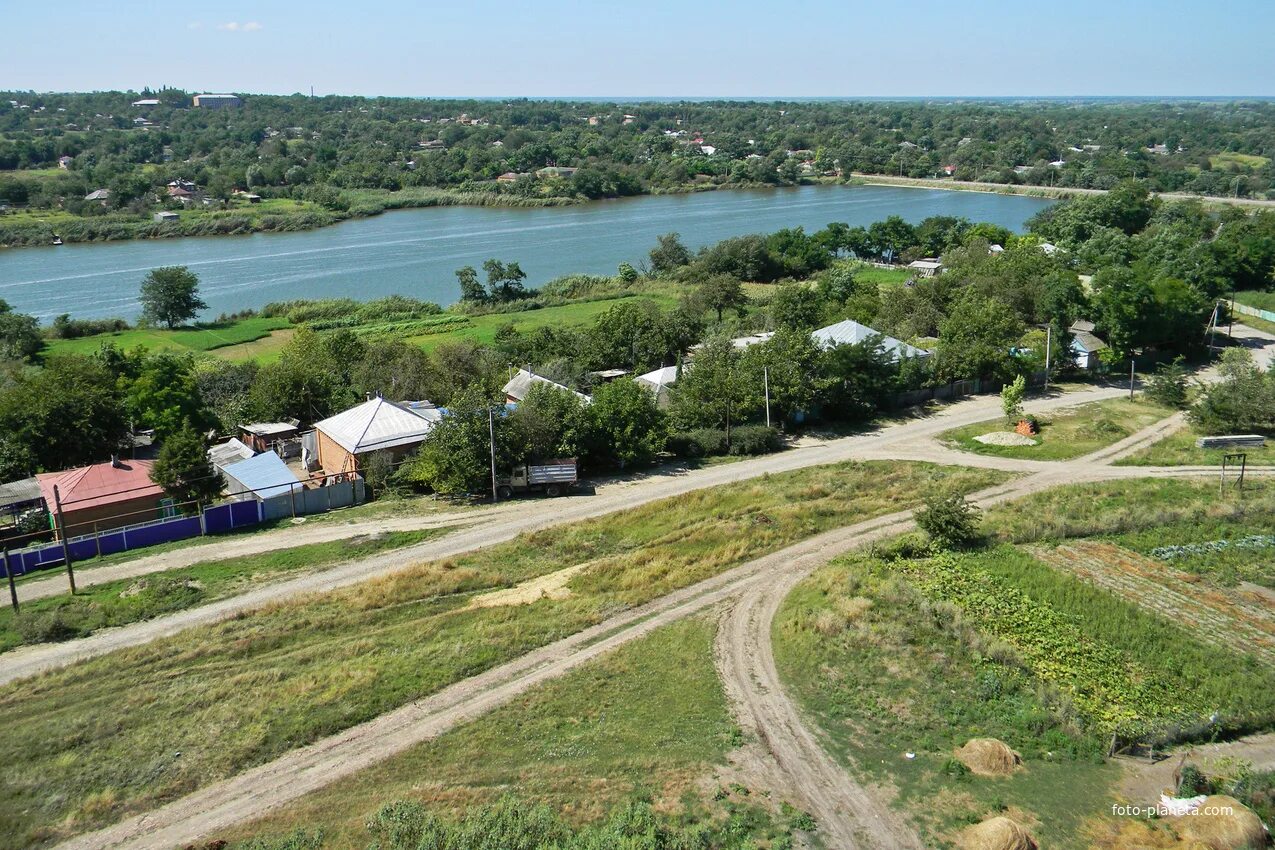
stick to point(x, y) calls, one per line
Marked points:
point(998, 833)
point(989, 757)
point(1235, 831)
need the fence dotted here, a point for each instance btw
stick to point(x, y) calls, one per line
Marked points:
point(1259, 313)
point(958, 389)
point(217, 519)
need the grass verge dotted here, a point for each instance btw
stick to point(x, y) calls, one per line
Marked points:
point(119, 603)
point(646, 723)
point(1179, 449)
point(1067, 433)
point(99, 740)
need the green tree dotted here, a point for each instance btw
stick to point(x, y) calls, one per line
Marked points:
point(627, 273)
point(170, 296)
point(306, 382)
point(471, 288)
point(720, 293)
point(1124, 308)
point(184, 470)
point(455, 458)
point(626, 427)
point(668, 255)
point(165, 395)
point(796, 306)
point(549, 423)
point(67, 414)
point(1168, 385)
point(974, 341)
point(1242, 402)
point(19, 334)
point(858, 379)
point(226, 390)
point(789, 363)
point(1012, 395)
point(713, 392)
point(504, 280)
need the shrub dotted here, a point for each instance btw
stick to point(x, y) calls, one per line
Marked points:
point(949, 520)
point(64, 327)
point(754, 440)
point(1168, 385)
point(1012, 398)
point(702, 442)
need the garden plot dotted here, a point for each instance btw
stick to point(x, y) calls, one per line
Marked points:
point(1223, 619)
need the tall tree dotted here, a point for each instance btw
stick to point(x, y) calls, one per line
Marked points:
point(471, 288)
point(170, 296)
point(19, 334)
point(184, 470)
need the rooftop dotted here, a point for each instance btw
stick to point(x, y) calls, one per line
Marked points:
point(379, 424)
point(850, 332)
point(100, 484)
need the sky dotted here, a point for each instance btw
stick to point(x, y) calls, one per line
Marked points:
point(645, 48)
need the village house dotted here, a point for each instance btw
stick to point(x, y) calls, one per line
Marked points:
point(344, 441)
point(850, 332)
point(519, 386)
point(1085, 345)
point(102, 195)
point(64, 162)
point(260, 477)
point(103, 496)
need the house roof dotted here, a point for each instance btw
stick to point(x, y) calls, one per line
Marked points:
point(1082, 325)
point(17, 492)
point(265, 475)
point(850, 332)
point(100, 484)
point(98, 195)
point(658, 378)
point(1086, 341)
point(520, 385)
point(378, 424)
point(932, 265)
point(231, 451)
point(268, 429)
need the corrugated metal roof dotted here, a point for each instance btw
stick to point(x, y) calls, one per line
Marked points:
point(17, 492)
point(265, 475)
point(850, 332)
point(100, 484)
point(268, 429)
point(661, 377)
point(378, 424)
point(520, 385)
point(231, 451)
point(1087, 341)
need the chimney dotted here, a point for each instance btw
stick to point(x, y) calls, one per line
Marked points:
point(115, 462)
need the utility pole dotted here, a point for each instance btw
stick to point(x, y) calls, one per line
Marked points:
point(491, 431)
point(8, 574)
point(1230, 329)
point(1132, 362)
point(1049, 339)
point(765, 377)
point(66, 546)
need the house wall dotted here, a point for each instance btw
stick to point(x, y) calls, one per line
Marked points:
point(333, 458)
point(113, 515)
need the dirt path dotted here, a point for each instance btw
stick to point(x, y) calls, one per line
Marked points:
point(506, 522)
point(1144, 782)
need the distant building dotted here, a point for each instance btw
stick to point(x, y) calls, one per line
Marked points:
point(102, 195)
point(64, 162)
point(510, 176)
point(658, 381)
point(519, 386)
point(166, 216)
point(103, 496)
point(146, 103)
point(928, 267)
point(217, 101)
point(566, 172)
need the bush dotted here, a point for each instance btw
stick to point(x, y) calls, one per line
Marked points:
point(64, 327)
point(1168, 385)
point(949, 520)
point(702, 442)
point(754, 440)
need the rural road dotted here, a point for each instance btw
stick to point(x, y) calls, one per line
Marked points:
point(849, 814)
point(506, 523)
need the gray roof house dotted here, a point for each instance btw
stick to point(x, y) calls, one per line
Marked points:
point(850, 332)
point(520, 385)
point(1085, 345)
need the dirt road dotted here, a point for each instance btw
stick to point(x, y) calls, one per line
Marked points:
point(505, 523)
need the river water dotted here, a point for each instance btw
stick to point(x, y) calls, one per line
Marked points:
point(416, 252)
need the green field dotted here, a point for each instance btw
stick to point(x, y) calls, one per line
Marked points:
point(206, 337)
point(648, 722)
point(92, 743)
point(1067, 433)
point(895, 652)
point(118, 603)
point(1243, 160)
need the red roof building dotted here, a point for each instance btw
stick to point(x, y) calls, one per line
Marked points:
point(102, 496)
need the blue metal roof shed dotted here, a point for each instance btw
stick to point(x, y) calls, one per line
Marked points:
point(264, 476)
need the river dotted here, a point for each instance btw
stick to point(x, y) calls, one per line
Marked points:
point(416, 252)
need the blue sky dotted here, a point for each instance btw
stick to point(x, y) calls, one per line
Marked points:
point(747, 48)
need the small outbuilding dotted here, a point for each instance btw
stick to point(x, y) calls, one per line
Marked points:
point(658, 381)
point(345, 440)
point(166, 216)
point(262, 436)
point(928, 267)
point(1085, 345)
point(260, 477)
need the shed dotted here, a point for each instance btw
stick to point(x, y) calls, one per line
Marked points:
point(261, 436)
point(260, 477)
point(850, 332)
point(928, 267)
point(231, 451)
point(344, 440)
point(165, 216)
point(1085, 345)
point(104, 496)
point(18, 496)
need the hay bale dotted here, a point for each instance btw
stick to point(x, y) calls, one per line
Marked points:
point(989, 757)
point(1240, 829)
point(998, 833)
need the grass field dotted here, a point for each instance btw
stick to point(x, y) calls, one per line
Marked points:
point(1244, 160)
point(1025, 653)
point(94, 742)
point(1067, 433)
point(206, 337)
point(118, 603)
point(648, 722)
point(1179, 449)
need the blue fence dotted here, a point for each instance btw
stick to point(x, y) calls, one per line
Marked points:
point(217, 519)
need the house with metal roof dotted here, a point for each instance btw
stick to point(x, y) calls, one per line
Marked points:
point(850, 332)
point(260, 477)
point(1085, 345)
point(345, 440)
point(103, 496)
point(18, 496)
point(658, 381)
point(520, 385)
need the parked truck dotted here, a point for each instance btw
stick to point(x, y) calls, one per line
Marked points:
point(553, 478)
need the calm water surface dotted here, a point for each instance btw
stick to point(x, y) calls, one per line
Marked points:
point(415, 252)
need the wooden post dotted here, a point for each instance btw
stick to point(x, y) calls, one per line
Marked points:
point(13, 590)
point(66, 546)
